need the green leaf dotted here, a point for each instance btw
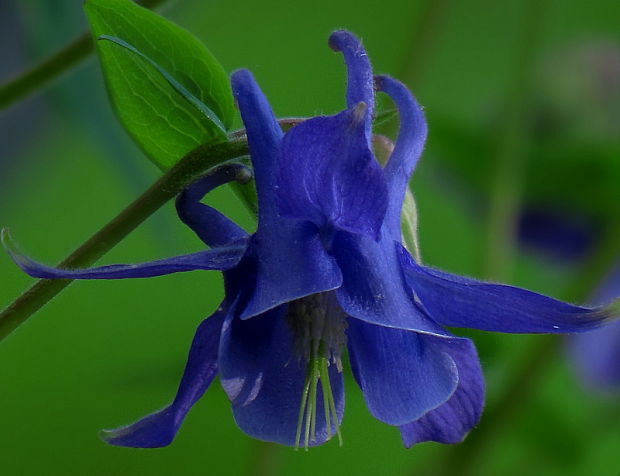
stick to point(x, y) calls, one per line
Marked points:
point(167, 89)
point(202, 107)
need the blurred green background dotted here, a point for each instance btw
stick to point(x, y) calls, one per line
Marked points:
point(517, 79)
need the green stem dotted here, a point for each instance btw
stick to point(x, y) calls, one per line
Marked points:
point(266, 459)
point(51, 67)
point(512, 147)
point(168, 186)
point(424, 34)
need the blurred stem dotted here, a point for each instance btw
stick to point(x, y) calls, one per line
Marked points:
point(51, 67)
point(424, 33)
point(426, 30)
point(512, 147)
point(265, 461)
point(167, 187)
point(541, 355)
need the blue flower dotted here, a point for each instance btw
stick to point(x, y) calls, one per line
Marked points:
point(325, 273)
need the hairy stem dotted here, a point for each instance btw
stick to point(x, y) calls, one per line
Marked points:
point(168, 186)
point(52, 67)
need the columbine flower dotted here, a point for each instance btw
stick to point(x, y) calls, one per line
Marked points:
point(325, 273)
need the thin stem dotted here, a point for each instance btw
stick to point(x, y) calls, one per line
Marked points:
point(424, 35)
point(52, 67)
point(168, 186)
point(286, 123)
point(512, 147)
point(266, 459)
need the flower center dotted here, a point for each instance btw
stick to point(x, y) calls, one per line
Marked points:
point(318, 325)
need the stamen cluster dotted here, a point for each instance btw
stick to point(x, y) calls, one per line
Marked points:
point(318, 326)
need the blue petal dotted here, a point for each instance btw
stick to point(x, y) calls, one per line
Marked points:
point(288, 262)
point(407, 149)
point(288, 257)
point(160, 428)
point(457, 301)
point(264, 136)
point(450, 422)
point(210, 225)
point(327, 175)
point(360, 87)
point(264, 381)
point(222, 258)
point(373, 286)
point(403, 374)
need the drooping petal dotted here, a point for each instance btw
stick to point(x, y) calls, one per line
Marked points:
point(289, 258)
point(450, 422)
point(264, 136)
point(360, 87)
point(264, 380)
point(457, 301)
point(403, 374)
point(407, 150)
point(159, 429)
point(213, 228)
point(327, 175)
point(222, 258)
point(373, 286)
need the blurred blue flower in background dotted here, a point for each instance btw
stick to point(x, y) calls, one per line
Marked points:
point(555, 233)
point(326, 270)
point(579, 81)
point(596, 354)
